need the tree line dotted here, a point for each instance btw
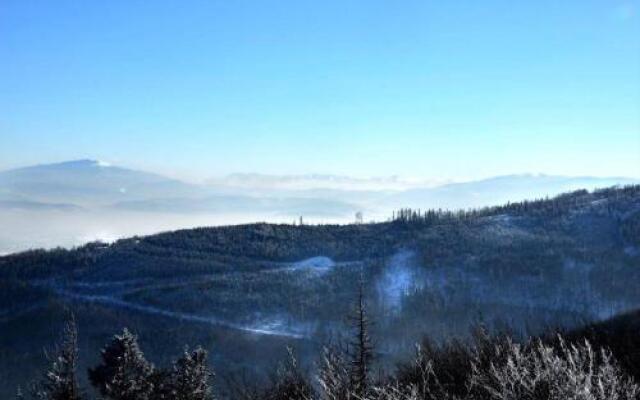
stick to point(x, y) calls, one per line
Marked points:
point(487, 367)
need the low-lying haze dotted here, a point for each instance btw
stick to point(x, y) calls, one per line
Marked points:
point(71, 203)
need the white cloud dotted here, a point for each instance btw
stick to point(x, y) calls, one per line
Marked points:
point(317, 181)
point(103, 164)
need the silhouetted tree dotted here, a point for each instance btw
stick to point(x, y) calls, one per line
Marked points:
point(124, 373)
point(361, 346)
point(60, 382)
point(190, 377)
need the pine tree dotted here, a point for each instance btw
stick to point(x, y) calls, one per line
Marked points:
point(124, 373)
point(362, 348)
point(60, 381)
point(190, 377)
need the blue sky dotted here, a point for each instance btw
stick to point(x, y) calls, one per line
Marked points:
point(430, 89)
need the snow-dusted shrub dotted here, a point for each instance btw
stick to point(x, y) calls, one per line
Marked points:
point(563, 372)
point(289, 383)
point(445, 371)
point(333, 376)
point(395, 392)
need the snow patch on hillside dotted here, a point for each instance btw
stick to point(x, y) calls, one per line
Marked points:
point(318, 263)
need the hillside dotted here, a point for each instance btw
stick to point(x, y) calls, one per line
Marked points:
point(246, 291)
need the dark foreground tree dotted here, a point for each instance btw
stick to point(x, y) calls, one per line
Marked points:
point(361, 346)
point(189, 377)
point(60, 382)
point(124, 373)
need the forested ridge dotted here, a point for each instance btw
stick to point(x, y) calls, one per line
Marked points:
point(247, 292)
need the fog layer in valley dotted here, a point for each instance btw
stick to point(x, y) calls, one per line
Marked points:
point(28, 229)
point(72, 203)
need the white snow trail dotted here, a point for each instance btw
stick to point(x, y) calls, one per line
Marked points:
point(119, 303)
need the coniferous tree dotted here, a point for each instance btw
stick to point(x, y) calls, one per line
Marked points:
point(161, 380)
point(361, 346)
point(60, 382)
point(190, 377)
point(124, 373)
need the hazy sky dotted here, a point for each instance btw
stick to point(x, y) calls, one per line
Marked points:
point(434, 89)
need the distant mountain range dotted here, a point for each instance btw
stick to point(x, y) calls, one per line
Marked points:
point(499, 190)
point(88, 183)
point(91, 184)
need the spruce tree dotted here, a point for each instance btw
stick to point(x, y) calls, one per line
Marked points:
point(361, 346)
point(124, 373)
point(60, 381)
point(190, 377)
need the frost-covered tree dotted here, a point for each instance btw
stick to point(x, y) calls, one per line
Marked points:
point(124, 373)
point(60, 382)
point(190, 377)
